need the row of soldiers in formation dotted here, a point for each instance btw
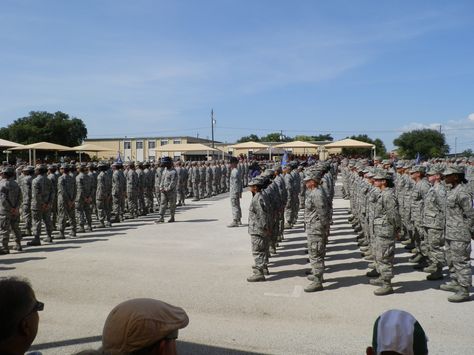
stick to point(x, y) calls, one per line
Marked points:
point(71, 194)
point(429, 207)
point(278, 194)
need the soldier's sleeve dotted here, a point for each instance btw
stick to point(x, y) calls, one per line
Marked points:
point(391, 207)
point(466, 204)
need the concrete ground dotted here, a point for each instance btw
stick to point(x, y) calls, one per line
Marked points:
point(199, 264)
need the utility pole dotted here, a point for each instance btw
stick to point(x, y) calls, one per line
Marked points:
point(439, 128)
point(213, 122)
point(455, 147)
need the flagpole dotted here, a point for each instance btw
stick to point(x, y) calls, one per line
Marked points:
point(212, 126)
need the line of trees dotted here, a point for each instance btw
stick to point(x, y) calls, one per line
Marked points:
point(279, 137)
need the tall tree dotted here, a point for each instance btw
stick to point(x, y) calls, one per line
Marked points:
point(429, 143)
point(41, 126)
point(379, 146)
point(275, 137)
point(249, 138)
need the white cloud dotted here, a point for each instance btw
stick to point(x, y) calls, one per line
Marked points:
point(470, 117)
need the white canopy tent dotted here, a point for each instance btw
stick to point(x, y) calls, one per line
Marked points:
point(42, 146)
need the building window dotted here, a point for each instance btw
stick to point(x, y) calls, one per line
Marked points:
point(164, 142)
point(151, 144)
point(176, 141)
point(139, 144)
point(127, 145)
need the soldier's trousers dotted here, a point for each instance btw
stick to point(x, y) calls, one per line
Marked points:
point(435, 243)
point(295, 207)
point(196, 190)
point(202, 190)
point(458, 257)
point(384, 256)
point(181, 195)
point(38, 217)
point(316, 252)
point(224, 185)
point(288, 213)
point(209, 189)
point(149, 200)
point(168, 199)
point(420, 242)
point(7, 225)
point(141, 203)
point(54, 214)
point(103, 209)
point(117, 208)
point(235, 205)
point(132, 200)
point(26, 216)
point(259, 250)
point(64, 214)
point(84, 213)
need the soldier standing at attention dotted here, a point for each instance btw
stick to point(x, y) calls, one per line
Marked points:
point(25, 185)
point(54, 183)
point(102, 196)
point(93, 179)
point(10, 199)
point(158, 176)
point(317, 221)
point(259, 229)
point(66, 198)
point(83, 198)
point(132, 191)
point(434, 222)
point(386, 225)
point(459, 232)
point(168, 187)
point(41, 200)
point(235, 192)
point(196, 180)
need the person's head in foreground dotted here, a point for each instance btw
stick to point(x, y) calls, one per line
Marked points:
point(143, 326)
point(398, 333)
point(18, 315)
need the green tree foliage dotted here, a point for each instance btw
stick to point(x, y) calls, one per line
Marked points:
point(429, 143)
point(319, 137)
point(467, 153)
point(275, 137)
point(41, 126)
point(379, 146)
point(250, 138)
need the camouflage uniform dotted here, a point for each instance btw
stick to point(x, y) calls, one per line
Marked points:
point(41, 201)
point(10, 199)
point(84, 200)
point(66, 200)
point(25, 186)
point(132, 191)
point(168, 187)
point(235, 195)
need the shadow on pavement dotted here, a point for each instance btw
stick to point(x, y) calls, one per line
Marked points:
point(21, 260)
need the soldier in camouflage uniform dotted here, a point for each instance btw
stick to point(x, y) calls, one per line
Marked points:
point(93, 180)
point(66, 201)
point(459, 232)
point(224, 172)
point(25, 186)
point(83, 198)
point(132, 191)
point(141, 190)
point(168, 187)
point(386, 225)
point(434, 222)
point(235, 192)
point(259, 228)
point(289, 183)
point(418, 193)
point(41, 201)
point(280, 183)
point(103, 196)
point(196, 181)
point(158, 176)
point(317, 222)
point(202, 176)
point(180, 187)
point(54, 184)
point(10, 199)
point(209, 179)
point(149, 186)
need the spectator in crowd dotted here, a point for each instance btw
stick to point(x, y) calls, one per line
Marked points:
point(18, 315)
point(143, 326)
point(398, 333)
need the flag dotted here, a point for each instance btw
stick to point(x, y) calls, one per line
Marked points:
point(418, 159)
point(119, 158)
point(284, 160)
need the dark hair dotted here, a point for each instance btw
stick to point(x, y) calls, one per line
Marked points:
point(16, 297)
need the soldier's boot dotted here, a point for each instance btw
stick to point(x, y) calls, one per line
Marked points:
point(171, 220)
point(461, 295)
point(179, 204)
point(257, 276)
point(452, 286)
point(314, 286)
point(385, 289)
point(81, 229)
point(266, 272)
point(17, 246)
point(287, 226)
point(431, 268)
point(372, 273)
point(72, 234)
point(233, 224)
point(239, 222)
point(369, 257)
point(89, 228)
point(48, 239)
point(108, 224)
point(101, 225)
point(273, 251)
point(421, 264)
point(364, 249)
point(415, 258)
point(160, 220)
point(436, 274)
point(406, 242)
point(371, 266)
point(410, 245)
point(195, 199)
point(35, 242)
point(376, 282)
point(61, 235)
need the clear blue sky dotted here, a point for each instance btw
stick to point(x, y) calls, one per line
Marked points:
point(140, 68)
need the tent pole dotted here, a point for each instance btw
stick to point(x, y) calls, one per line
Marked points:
point(29, 155)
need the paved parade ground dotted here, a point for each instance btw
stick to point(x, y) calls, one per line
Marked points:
point(201, 265)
